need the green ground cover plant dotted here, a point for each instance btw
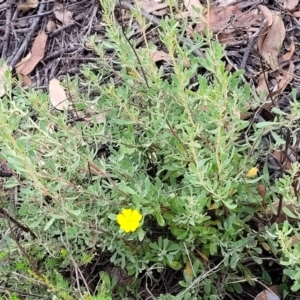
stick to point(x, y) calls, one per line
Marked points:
point(169, 190)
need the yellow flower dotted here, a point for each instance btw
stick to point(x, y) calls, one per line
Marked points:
point(129, 220)
point(252, 172)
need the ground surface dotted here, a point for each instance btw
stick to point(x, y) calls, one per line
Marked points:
point(47, 40)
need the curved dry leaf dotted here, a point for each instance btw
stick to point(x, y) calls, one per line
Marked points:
point(262, 86)
point(284, 80)
point(182, 15)
point(219, 18)
point(26, 80)
point(160, 55)
point(269, 18)
point(190, 4)
point(296, 14)
point(29, 4)
point(282, 159)
point(99, 118)
point(290, 4)
point(261, 189)
point(160, 12)
point(271, 45)
point(58, 97)
point(265, 246)
point(62, 14)
point(267, 13)
point(288, 77)
point(37, 54)
point(273, 293)
point(291, 51)
point(3, 69)
point(294, 240)
point(20, 64)
point(188, 269)
point(150, 6)
point(50, 27)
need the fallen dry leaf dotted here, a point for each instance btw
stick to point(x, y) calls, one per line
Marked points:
point(191, 4)
point(284, 79)
point(160, 55)
point(261, 191)
point(26, 80)
point(20, 64)
point(294, 240)
point(29, 4)
point(50, 26)
point(273, 293)
point(227, 38)
point(287, 78)
point(99, 118)
point(160, 12)
point(283, 216)
point(203, 257)
point(291, 50)
point(37, 54)
point(282, 159)
point(269, 20)
point(154, 7)
point(265, 246)
point(219, 18)
point(271, 41)
point(58, 97)
point(62, 14)
point(289, 4)
point(182, 15)
point(296, 14)
point(188, 269)
point(262, 86)
point(3, 69)
point(267, 13)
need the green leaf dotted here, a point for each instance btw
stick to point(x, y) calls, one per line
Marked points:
point(229, 205)
point(160, 220)
point(277, 111)
point(265, 124)
point(175, 265)
point(112, 217)
point(75, 212)
point(49, 223)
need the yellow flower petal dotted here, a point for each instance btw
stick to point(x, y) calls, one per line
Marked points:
point(120, 219)
point(252, 172)
point(136, 215)
point(129, 220)
point(126, 212)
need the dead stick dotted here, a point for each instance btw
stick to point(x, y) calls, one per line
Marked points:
point(156, 22)
point(7, 29)
point(9, 218)
point(250, 45)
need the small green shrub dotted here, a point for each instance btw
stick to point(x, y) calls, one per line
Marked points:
point(172, 153)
